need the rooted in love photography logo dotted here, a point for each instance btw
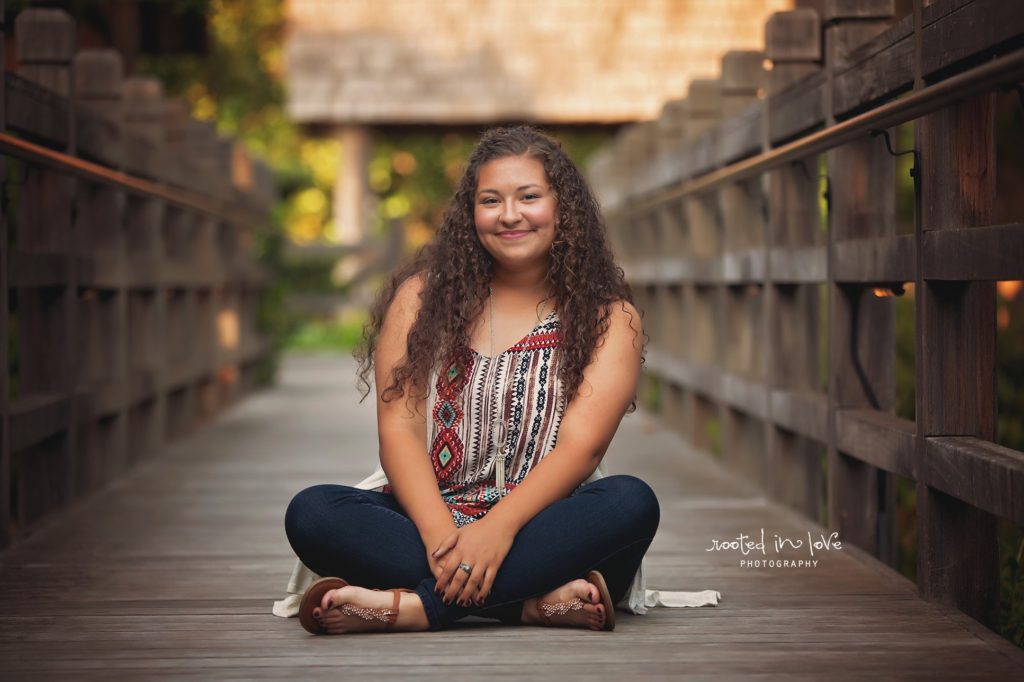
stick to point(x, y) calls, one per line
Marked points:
point(763, 554)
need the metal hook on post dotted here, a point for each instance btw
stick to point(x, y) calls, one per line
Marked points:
point(915, 170)
point(892, 152)
point(827, 194)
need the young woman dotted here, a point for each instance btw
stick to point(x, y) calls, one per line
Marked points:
point(504, 358)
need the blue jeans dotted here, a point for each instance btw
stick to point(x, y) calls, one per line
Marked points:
point(366, 538)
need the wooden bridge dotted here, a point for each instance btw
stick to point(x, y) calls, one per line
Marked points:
point(762, 226)
point(172, 571)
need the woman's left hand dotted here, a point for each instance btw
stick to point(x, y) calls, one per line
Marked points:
point(483, 546)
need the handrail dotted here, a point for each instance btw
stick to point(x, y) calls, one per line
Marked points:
point(95, 172)
point(974, 81)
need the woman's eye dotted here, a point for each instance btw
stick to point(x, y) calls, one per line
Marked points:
point(488, 200)
point(532, 196)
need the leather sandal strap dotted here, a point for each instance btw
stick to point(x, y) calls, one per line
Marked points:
point(393, 616)
point(394, 606)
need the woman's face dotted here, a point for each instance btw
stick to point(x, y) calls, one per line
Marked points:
point(515, 212)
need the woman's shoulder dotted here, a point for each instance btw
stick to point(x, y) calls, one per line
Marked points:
point(622, 316)
point(407, 293)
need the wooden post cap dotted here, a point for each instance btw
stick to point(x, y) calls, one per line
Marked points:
point(743, 71)
point(98, 74)
point(793, 36)
point(44, 36)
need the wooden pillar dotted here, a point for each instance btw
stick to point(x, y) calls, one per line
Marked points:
point(148, 141)
point(862, 335)
point(792, 300)
point(351, 190)
point(103, 293)
point(793, 43)
point(47, 314)
point(958, 560)
point(5, 425)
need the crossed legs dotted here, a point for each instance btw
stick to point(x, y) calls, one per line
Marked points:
point(364, 537)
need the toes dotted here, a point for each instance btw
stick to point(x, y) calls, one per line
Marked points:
point(327, 599)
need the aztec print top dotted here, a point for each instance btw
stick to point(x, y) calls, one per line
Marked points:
point(519, 388)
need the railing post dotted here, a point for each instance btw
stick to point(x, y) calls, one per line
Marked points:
point(47, 311)
point(100, 244)
point(792, 304)
point(958, 558)
point(5, 339)
point(862, 336)
point(145, 153)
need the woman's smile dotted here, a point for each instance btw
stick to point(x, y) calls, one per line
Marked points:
point(513, 234)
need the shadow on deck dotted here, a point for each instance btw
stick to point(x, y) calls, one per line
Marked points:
point(172, 571)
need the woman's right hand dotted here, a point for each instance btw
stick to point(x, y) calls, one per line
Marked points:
point(430, 543)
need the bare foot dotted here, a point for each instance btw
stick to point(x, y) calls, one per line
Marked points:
point(587, 612)
point(357, 609)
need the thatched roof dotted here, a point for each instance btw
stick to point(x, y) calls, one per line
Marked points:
point(465, 61)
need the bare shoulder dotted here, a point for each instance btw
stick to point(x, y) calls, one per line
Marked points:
point(624, 322)
point(406, 302)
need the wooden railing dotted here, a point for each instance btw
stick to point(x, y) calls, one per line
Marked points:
point(128, 284)
point(757, 220)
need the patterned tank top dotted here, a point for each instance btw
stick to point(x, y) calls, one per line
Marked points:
point(513, 399)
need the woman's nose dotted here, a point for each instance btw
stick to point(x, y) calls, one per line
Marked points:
point(510, 213)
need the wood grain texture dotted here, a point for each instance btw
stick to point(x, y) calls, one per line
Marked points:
point(983, 474)
point(956, 395)
point(874, 260)
point(991, 252)
point(878, 438)
point(172, 572)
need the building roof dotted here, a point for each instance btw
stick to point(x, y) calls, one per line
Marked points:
point(468, 61)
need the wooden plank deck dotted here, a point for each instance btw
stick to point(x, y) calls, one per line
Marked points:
point(171, 572)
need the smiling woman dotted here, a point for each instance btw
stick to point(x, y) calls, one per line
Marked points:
point(490, 501)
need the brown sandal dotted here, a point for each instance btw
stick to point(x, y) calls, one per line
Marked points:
point(315, 594)
point(547, 610)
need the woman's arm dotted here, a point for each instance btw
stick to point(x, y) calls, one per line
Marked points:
point(402, 431)
point(588, 425)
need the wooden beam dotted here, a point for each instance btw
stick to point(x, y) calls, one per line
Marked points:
point(974, 28)
point(980, 473)
point(793, 265)
point(874, 260)
point(801, 412)
point(37, 418)
point(991, 253)
point(878, 69)
point(878, 438)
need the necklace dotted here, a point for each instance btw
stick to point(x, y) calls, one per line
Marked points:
point(501, 458)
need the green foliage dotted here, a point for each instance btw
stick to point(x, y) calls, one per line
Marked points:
point(906, 527)
point(905, 361)
point(1011, 579)
point(713, 431)
point(336, 335)
point(652, 398)
point(239, 86)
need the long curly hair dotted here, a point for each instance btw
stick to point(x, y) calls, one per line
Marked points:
point(456, 269)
